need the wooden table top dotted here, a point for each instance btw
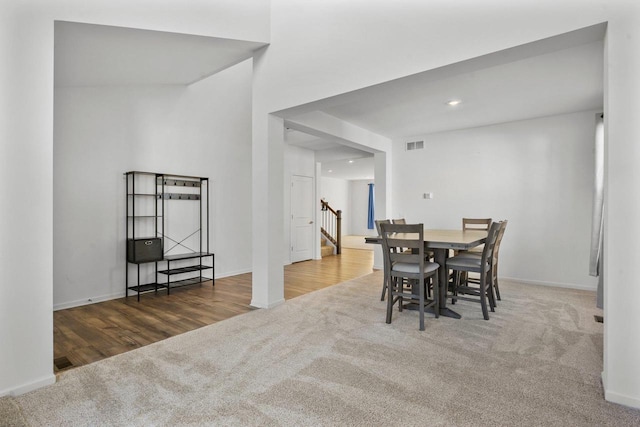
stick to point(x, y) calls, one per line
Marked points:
point(445, 239)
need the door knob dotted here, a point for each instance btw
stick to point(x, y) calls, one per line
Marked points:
point(310, 222)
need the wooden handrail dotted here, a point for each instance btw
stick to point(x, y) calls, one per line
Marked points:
point(326, 207)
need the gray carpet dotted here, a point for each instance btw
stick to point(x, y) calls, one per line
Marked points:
point(10, 413)
point(328, 358)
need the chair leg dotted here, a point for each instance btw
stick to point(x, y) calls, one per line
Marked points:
point(497, 289)
point(385, 284)
point(436, 293)
point(390, 298)
point(493, 297)
point(495, 292)
point(493, 286)
point(492, 301)
point(456, 283)
point(492, 294)
point(483, 296)
point(421, 304)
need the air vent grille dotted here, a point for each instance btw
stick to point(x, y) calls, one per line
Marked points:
point(62, 363)
point(415, 145)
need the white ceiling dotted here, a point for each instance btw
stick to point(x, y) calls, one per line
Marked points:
point(338, 160)
point(327, 150)
point(349, 169)
point(555, 83)
point(558, 75)
point(100, 55)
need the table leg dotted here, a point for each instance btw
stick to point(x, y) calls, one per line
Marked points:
point(440, 256)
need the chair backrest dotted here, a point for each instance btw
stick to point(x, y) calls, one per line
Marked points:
point(399, 221)
point(381, 221)
point(476, 224)
point(410, 236)
point(490, 243)
point(496, 249)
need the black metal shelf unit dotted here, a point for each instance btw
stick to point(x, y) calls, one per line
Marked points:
point(147, 241)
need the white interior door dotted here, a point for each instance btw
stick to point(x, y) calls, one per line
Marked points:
point(301, 218)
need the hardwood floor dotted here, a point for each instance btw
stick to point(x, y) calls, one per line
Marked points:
point(89, 333)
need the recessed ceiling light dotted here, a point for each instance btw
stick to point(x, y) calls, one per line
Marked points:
point(350, 161)
point(453, 102)
point(330, 170)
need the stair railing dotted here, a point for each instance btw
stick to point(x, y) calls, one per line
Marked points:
point(331, 224)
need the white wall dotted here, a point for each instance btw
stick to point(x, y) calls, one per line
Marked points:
point(351, 45)
point(26, 91)
point(358, 43)
point(537, 173)
point(102, 132)
point(359, 206)
point(336, 192)
point(318, 49)
point(621, 375)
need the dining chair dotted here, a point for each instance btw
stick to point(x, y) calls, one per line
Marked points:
point(385, 281)
point(410, 265)
point(494, 261)
point(481, 265)
point(428, 254)
point(384, 258)
point(481, 224)
point(496, 251)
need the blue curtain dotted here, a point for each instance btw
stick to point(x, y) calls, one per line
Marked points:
point(371, 217)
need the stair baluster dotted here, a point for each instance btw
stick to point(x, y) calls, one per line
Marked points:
point(331, 225)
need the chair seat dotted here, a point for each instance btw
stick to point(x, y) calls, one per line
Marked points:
point(465, 263)
point(404, 267)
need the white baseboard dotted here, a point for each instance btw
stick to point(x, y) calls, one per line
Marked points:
point(87, 301)
point(534, 282)
point(621, 399)
point(551, 284)
point(232, 273)
point(102, 298)
point(271, 305)
point(26, 388)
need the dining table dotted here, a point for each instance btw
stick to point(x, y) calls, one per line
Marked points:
point(441, 242)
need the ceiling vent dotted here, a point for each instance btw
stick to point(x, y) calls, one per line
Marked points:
point(415, 145)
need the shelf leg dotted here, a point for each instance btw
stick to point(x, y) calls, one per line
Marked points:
point(168, 278)
point(138, 288)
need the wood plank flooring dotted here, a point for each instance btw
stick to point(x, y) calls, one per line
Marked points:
point(89, 333)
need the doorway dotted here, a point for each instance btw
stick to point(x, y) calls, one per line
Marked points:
point(302, 218)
